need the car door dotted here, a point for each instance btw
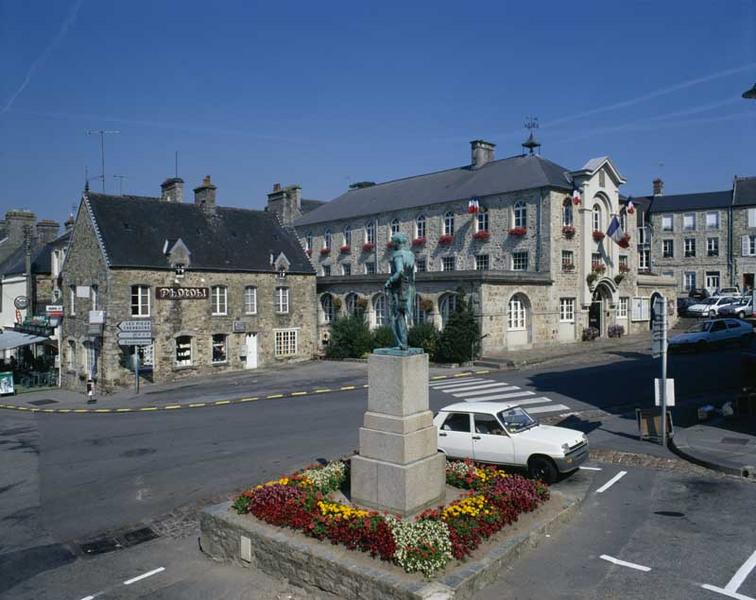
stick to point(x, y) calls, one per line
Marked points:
point(455, 435)
point(735, 330)
point(718, 332)
point(491, 444)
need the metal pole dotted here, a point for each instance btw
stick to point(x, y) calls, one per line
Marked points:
point(136, 368)
point(102, 157)
point(664, 374)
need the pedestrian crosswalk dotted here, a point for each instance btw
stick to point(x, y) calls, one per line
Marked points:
point(480, 389)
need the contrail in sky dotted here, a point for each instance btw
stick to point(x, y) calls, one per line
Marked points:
point(69, 21)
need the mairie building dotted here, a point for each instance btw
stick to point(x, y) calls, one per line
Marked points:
point(217, 289)
point(524, 238)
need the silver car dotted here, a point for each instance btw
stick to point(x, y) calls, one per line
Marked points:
point(710, 306)
point(741, 309)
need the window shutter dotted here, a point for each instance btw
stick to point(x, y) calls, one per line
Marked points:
point(746, 246)
point(752, 217)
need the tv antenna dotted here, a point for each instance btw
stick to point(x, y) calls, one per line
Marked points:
point(102, 133)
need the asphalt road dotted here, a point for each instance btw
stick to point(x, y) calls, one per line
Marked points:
point(69, 479)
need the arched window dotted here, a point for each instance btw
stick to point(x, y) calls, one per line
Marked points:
point(327, 239)
point(329, 313)
point(380, 307)
point(481, 221)
point(419, 315)
point(370, 233)
point(351, 303)
point(520, 214)
point(567, 215)
point(597, 220)
point(447, 305)
point(347, 236)
point(420, 227)
point(394, 226)
point(308, 241)
point(623, 220)
point(449, 223)
point(518, 313)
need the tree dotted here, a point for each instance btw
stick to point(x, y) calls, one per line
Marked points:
point(425, 336)
point(383, 337)
point(460, 337)
point(350, 337)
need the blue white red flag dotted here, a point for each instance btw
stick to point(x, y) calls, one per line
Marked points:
point(575, 193)
point(615, 230)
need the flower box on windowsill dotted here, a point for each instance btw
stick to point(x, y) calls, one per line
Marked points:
point(482, 235)
point(624, 269)
point(345, 249)
point(368, 247)
point(568, 231)
point(625, 241)
point(518, 231)
point(324, 251)
point(568, 267)
point(598, 236)
point(389, 245)
point(418, 242)
point(445, 240)
point(598, 268)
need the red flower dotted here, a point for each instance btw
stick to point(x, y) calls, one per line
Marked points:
point(345, 249)
point(389, 245)
point(418, 242)
point(625, 241)
point(519, 231)
point(325, 251)
point(482, 235)
point(598, 236)
point(445, 240)
point(568, 231)
point(368, 247)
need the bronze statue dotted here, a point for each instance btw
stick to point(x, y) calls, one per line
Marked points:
point(400, 287)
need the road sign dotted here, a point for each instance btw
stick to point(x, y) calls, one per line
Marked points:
point(670, 392)
point(135, 326)
point(134, 335)
point(54, 310)
point(659, 328)
point(135, 342)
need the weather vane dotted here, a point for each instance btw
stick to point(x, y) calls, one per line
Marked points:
point(531, 123)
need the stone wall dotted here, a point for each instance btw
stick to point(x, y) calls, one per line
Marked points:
point(743, 265)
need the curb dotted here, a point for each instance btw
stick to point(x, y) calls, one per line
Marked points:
point(231, 401)
point(682, 451)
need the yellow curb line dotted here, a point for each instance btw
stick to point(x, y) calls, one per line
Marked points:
point(275, 396)
point(172, 407)
point(347, 387)
point(221, 402)
point(299, 393)
point(253, 398)
point(124, 409)
point(81, 410)
point(146, 408)
point(103, 410)
point(197, 404)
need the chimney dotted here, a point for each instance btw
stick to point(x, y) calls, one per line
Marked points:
point(285, 203)
point(68, 225)
point(47, 230)
point(658, 187)
point(172, 190)
point(15, 222)
point(204, 195)
point(482, 153)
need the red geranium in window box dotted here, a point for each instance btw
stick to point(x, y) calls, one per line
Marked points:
point(325, 251)
point(481, 235)
point(624, 269)
point(446, 240)
point(519, 231)
point(598, 236)
point(389, 245)
point(598, 267)
point(568, 231)
point(625, 241)
point(345, 249)
point(418, 241)
point(568, 267)
point(368, 247)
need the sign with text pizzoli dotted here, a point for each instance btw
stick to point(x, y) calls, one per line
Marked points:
point(182, 293)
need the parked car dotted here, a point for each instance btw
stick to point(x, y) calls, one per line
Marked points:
point(698, 293)
point(712, 332)
point(728, 291)
point(504, 433)
point(710, 306)
point(741, 309)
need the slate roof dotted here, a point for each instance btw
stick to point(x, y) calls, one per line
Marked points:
point(745, 191)
point(41, 261)
point(310, 205)
point(458, 184)
point(133, 230)
point(697, 201)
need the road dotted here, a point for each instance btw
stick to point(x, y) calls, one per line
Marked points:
point(77, 478)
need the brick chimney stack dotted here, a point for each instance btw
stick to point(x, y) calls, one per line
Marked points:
point(47, 230)
point(172, 190)
point(204, 195)
point(482, 153)
point(285, 203)
point(658, 187)
point(15, 222)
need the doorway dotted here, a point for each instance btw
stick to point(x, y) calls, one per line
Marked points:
point(251, 342)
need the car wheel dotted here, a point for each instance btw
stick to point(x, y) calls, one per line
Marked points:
point(543, 468)
point(741, 315)
point(712, 313)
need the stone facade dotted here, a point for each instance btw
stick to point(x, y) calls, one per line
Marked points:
point(744, 246)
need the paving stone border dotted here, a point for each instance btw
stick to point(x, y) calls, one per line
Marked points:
point(322, 566)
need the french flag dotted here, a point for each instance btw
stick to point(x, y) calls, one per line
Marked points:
point(473, 205)
point(575, 194)
point(615, 230)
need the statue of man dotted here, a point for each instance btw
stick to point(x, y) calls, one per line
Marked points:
point(401, 288)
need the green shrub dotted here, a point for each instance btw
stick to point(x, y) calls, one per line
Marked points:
point(425, 336)
point(350, 337)
point(459, 339)
point(383, 337)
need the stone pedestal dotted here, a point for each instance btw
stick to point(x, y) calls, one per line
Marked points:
point(399, 468)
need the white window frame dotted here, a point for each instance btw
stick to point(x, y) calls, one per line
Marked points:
point(212, 348)
point(597, 218)
point(482, 262)
point(380, 309)
point(453, 260)
point(568, 216)
point(568, 257)
point(752, 217)
point(250, 300)
point(329, 310)
point(418, 260)
point(368, 270)
point(516, 315)
point(446, 306)
point(347, 233)
point(712, 244)
point(668, 219)
point(144, 301)
point(420, 227)
point(481, 220)
point(712, 276)
point(520, 214)
point(566, 310)
point(308, 241)
point(394, 227)
point(346, 269)
point(219, 300)
point(286, 342)
point(186, 362)
point(671, 243)
point(623, 307)
point(370, 232)
point(449, 223)
point(327, 239)
point(643, 259)
point(689, 222)
point(282, 300)
point(519, 255)
point(689, 280)
point(715, 225)
point(72, 301)
point(689, 247)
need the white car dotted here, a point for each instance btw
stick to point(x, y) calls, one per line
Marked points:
point(709, 333)
point(505, 434)
point(709, 307)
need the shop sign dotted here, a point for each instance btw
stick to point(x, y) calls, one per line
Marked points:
point(21, 302)
point(182, 293)
point(6, 383)
point(54, 310)
point(239, 326)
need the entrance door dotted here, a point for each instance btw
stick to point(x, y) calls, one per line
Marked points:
point(251, 351)
point(594, 314)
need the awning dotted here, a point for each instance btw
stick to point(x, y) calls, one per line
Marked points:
point(13, 339)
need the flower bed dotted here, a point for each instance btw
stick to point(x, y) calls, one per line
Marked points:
point(427, 543)
point(445, 240)
point(518, 231)
point(624, 241)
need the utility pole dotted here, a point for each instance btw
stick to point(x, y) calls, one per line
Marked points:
point(102, 133)
point(27, 269)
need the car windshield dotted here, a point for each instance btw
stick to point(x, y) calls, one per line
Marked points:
point(699, 327)
point(709, 301)
point(515, 419)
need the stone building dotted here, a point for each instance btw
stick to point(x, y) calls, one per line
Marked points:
point(221, 289)
point(701, 240)
point(537, 266)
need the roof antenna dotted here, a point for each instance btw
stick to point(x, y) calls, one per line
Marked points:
point(86, 179)
point(175, 164)
point(531, 123)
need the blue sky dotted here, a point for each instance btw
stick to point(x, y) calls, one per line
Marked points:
point(327, 93)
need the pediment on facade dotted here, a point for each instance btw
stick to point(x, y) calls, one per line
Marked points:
point(594, 165)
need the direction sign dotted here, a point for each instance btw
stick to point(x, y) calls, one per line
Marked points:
point(137, 342)
point(659, 329)
point(135, 325)
point(134, 335)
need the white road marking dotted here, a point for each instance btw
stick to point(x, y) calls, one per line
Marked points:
point(468, 385)
point(447, 383)
point(494, 388)
point(503, 396)
point(531, 401)
point(88, 598)
point(591, 468)
point(611, 482)
point(724, 592)
point(623, 563)
point(731, 589)
point(144, 576)
point(548, 408)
